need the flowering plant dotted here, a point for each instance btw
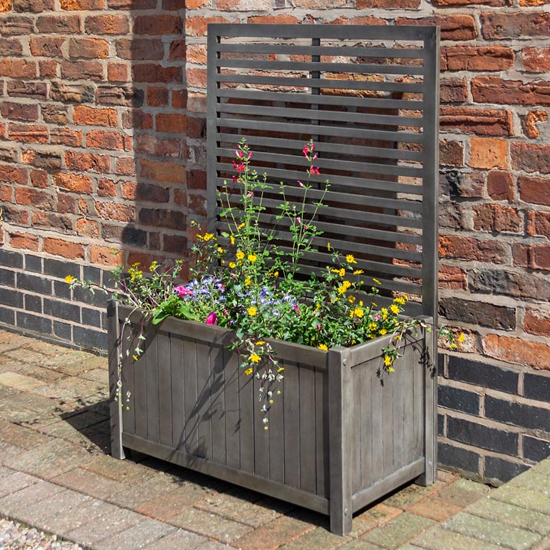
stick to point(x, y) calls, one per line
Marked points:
point(248, 280)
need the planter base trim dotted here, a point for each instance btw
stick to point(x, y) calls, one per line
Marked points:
point(238, 477)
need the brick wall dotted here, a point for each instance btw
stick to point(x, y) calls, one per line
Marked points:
point(102, 145)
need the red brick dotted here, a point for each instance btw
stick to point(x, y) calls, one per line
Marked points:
point(453, 90)
point(106, 188)
point(132, 4)
point(196, 26)
point(118, 72)
point(29, 90)
point(17, 25)
point(19, 111)
point(103, 255)
point(197, 204)
point(58, 24)
point(39, 179)
point(531, 158)
point(162, 171)
point(29, 196)
point(196, 77)
point(152, 145)
point(66, 204)
point(24, 240)
point(465, 3)
point(88, 48)
point(102, 139)
point(82, 5)
point(500, 26)
point(77, 70)
point(197, 179)
point(473, 58)
point(44, 46)
point(178, 51)
point(48, 159)
point(492, 89)
point(13, 174)
point(451, 153)
point(114, 211)
point(158, 25)
point(179, 99)
point(500, 185)
point(140, 49)
point(383, 4)
point(11, 46)
point(18, 68)
point(532, 256)
point(496, 218)
point(107, 24)
point(65, 136)
point(518, 351)
point(537, 322)
point(488, 153)
point(159, 217)
point(452, 278)
point(530, 121)
point(85, 162)
point(94, 117)
point(5, 5)
point(48, 68)
point(137, 120)
point(180, 197)
point(536, 60)
point(33, 6)
point(453, 27)
point(468, 248)
point(75, 183)
point(157, 97)
point(173, 123)
point(283, 19)
point(87, 228)
point(538, 223)
point(484, 122)
point(154, 73)
point(125, 166)
point(28, 133)
point(173, 5)
point(59, 247)
point(6, 193)
point(176, 244)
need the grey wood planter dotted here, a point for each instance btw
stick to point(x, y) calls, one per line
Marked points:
point(340, 435)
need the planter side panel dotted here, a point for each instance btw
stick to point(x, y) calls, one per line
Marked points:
point(191, 395)
point(388, 412)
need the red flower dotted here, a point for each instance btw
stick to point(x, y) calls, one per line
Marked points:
point(314, 170)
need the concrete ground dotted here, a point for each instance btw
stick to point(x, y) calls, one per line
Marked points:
point(56, 475)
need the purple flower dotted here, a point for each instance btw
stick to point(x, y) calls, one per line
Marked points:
point(212, 319)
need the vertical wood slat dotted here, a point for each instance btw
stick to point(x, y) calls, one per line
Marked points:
point(116, 413)
point(377, 428)
point(177, 399)
point(246, 426)
point(321, 434)
point(190, 396)
point(292, 426)
point(276, 439)
point(139, 401)
point(367, 444)
point(217, 405)
point(152, 397)
point(261, 435)
point(232, 410)
point(418, 406)
point(387, 424)
point(408, 406)
point(356, 443)
point(306, 401)
point(204, 359)
point(165, 388)
point(398, 432)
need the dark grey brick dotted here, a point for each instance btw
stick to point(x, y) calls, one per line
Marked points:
point(62, 310)
point(33, 263)
point(440, 424)
point(536, 387)
point(33, 303)
point(479, 313)
point(478, 435)
point(91, 317)
point(92, 274)
point(517, 414)
point(441, 365)
point(10, 297)
point(535, 449)
point(97, 299)
point(62, 290)
point(9, 258)
point(62, 330)
point(7, 277)
point(34, 283)
point(503, 470)
point(454, 457)
point(90, 338)
point(60, 269)
point(458, 400)
point(7, 316)
point(34, 323)
point(483, 374)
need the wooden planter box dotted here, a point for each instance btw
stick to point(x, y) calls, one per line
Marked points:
point(340, 435)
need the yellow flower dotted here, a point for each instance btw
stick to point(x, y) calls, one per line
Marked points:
point(153, 266)
point(260, 343)
point(461, 337)
point(323, 347)
point(351, 299)
point(358, 272)
point(248, 372)
point(342, 289)
point(239, 255)
point(208, 236)
point(220, 249)
point(342, 272)
point(346, 284)
point(400, 301)
point(252, 311)
point(384, 313)
point(377, 281)
point(383, 331)
point(69, 279)
point(247, 281)
point(373, 326)
point(280, 369)
point(241, 226)
point(134, 357)
point(255, 358)
point(252, 258)
point(276, 274)
point(394, 309)
point(328, 247)
point(387, 360)
point(232, 265)
point(359, 312)
point(232, 240)
point(350, 258)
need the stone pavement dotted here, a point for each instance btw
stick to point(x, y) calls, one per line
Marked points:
point(56, 475)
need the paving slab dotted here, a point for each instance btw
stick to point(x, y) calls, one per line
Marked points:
point(89, 483)
point(435, 508)
point(124, 471)
point(142, 534)
point(278, 532)
point(523, 498)
point(443, 539)
point(179, 539)
point(12, 481)
point(16, 503)
point(21, 436)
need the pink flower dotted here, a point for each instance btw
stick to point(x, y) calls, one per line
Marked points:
point(296, 308)
point(319, 327)
point(299, 220)
point(181, 291)
point(314, 170)
point(305, 150)
point(300, 183)
point(212, 319)
point(239, 154)
point(241, 167)
point(234, 179)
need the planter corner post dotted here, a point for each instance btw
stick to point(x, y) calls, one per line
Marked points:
point(340, 428)
point(113, 326)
